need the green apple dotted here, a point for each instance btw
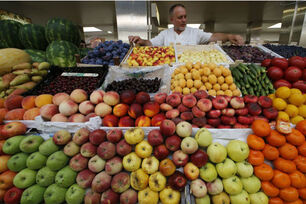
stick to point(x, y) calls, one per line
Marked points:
point(227, 168)
point(251, 184)
point(208, 172)
point(232, 185)
point(48, 147)
point(237, 150)
point(24, 178)
point(259, 197)
point(57, 161)
point(244, 169)
point(75, 194)
point(203, 200)
point(31, 143)
point(45, 177)
point(241, 198)
point(33, 195)
point(11, 145)
point(203, 137)
point(221, 198)
point(54, 194)
point(65, 177)
point(36, 161)
point(216, 152)
point(17, 162)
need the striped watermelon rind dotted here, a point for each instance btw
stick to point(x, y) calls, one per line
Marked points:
point(62, 29)
point(62, 53)
point(9, 30)
point(37, 55)
point(33, 36)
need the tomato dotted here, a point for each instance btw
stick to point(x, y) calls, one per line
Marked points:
point(280, 62)
point(280, 83)
point(266, 63)
point(300, 85)
point(297, 62)
point(275, 73)
point(293, 74)
point(304, 75)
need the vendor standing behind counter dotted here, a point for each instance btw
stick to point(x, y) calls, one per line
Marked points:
point(181, 34)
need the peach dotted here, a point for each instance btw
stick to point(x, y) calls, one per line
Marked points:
point(142, 97)
point(157, 119)
point(86, 107)
point(77, 118)
point(16, 114)
point(28, 102)
point(59, 98)
point(199, 94)
point(68, 107)
point(127, 96)
point(126, 121)
point(110, 121)
point(111, 98)
point(204, 104)
point(48, 111)
point(143, 121)
point(103, 109)
point(160, 98)
point(189, 100)
point(31, 114)
point(59, 118)
point(78, 95)
point(172, 113)
point(151, 108)
point(3, 112)
point(135, 110)
point(183, 108)
point(13, 102)
point(197, 112)
point(120, 109)
point(96, 96)
point(187, 116)
point(174, 100)
point(90, 115)
point(179, 94)
point(165, 107)
point(43, 99)
point(200, 122)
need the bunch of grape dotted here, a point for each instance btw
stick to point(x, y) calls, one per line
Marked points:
point(105, 53)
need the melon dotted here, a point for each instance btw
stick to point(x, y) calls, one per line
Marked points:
point(9, 30)
point(33, 37)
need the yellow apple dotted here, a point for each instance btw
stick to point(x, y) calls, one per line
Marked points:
point(150, 165)
point(134, 135)
point(143, 149)
point(147, 196)
point(170, 196)
point(157, 181)
point(139, 179)
point(131, 162)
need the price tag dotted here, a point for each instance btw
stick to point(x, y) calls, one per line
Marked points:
point(79, 74)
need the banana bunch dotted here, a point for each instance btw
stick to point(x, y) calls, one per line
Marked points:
point(23, 77)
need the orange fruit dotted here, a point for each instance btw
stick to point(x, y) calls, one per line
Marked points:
point(289, 194)
point(276, 139)
point(302, 193)
point(300, 162)
point(255, 142)
point(280, 179)
point(302, 149)
point(295, 137)
point(288, 151)
point(275, 200)
point(284, 165)
point(261, 128)
point(264, 172)
point(269, 189)
point(270, 152)
point(301, 126)
point(298, 201)
point(256, 157)
point(298, 180)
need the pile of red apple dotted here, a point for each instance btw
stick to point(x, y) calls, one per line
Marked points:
point(290, 73)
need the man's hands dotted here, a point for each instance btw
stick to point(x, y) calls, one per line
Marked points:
point(138, 40)
point(236, 39)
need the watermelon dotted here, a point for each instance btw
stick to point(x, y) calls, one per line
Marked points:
point(62, 29)
point(37, 55)
point(33, 37)
point(9, 30)
point(62, 53)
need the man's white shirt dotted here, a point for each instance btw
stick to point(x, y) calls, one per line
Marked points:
point(190, 36)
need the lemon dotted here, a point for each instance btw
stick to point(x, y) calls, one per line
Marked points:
point(272, 96)
point(212, 79)
point(178, 89)
point(220, 80)
point(224, 87)
point(197, 83)
point(217, 72)
point(228, 93)
point(180, 76)
point(283, 116)
point(212, 92)
point(283, 92)
point(292, 110)
point(229, 79)
point(189, 83)
point(182, 83)
point(186, 91)
point(232, 87)
point(188, 76)
point(296, 119)
point(295, 91)
point(193, 90)
point(208, 85)
point(226, 72)
point(302, 111)
point(279, 104)
point(220, 92)
point(216, 87)
point(204, 79)
point(184, 70)
point(296, 99)
point(203, 88)
point(206, 71)
point(236, 92)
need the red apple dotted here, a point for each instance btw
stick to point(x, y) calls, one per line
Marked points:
point(177, 181)
point(199, 158)
point(114, 135)
point(96, 137)
point(155, 138)
point(167, 128)
point(173, 142)
point(161, 152)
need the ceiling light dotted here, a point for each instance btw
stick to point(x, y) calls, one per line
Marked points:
point(188, 25)
point(277, 25)
point(91, 29)
point(109, 32)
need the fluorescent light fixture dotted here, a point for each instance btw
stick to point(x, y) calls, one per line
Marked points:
point(277, 25)
point(189, 25)
point(109, 32)
point(91, 29)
